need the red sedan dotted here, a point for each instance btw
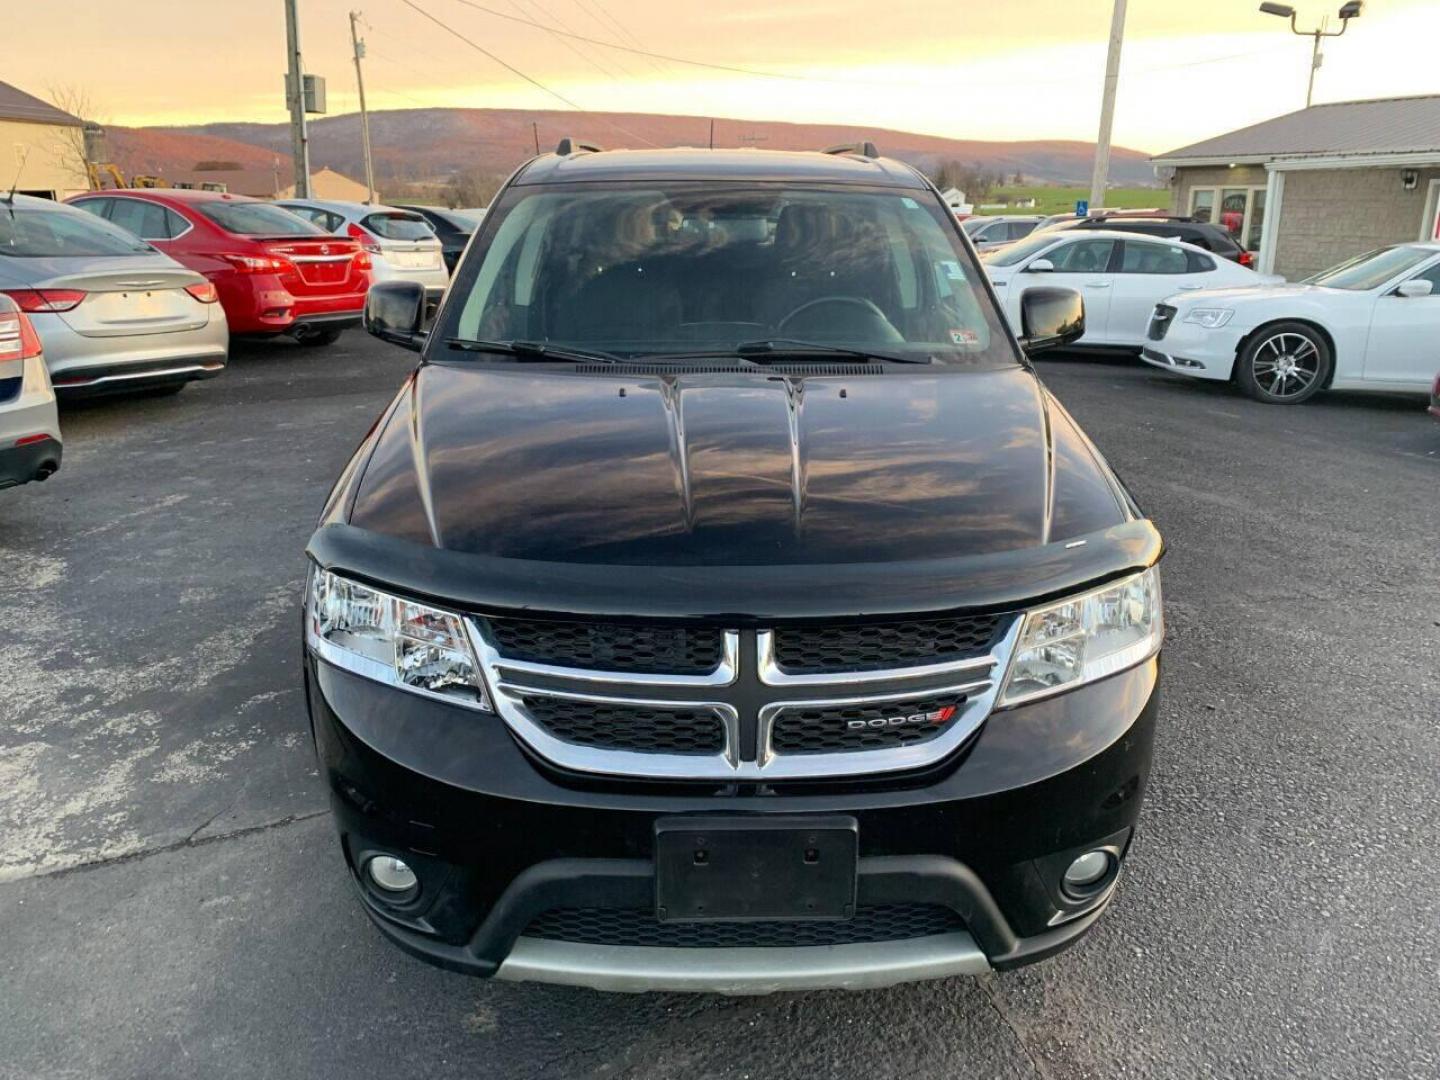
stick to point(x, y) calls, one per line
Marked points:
point(275, 272)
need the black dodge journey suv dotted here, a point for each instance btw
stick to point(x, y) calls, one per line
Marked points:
point(723, 603)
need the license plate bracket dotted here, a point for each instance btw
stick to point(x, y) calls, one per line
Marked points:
point(740, 869)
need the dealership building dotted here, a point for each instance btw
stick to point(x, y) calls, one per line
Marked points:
point(1314, 187)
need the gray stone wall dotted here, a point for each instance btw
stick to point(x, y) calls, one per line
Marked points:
point(1328, 215)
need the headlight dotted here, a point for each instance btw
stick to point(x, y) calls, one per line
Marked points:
point(1212, 318)
point(1085, 638)
point(392, 640)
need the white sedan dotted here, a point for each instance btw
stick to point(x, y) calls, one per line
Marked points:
point(1372, 323)
point(1122, 276)
point(401, 244)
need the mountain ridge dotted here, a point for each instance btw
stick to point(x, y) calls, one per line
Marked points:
point(435, 144)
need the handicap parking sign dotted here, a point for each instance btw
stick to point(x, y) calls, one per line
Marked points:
point(1082, 207)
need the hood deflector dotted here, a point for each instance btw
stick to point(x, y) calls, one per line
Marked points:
point(741, 595)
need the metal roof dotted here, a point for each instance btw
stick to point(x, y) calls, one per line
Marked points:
point(1344, 128)
point(698, 164)
point(15, 104)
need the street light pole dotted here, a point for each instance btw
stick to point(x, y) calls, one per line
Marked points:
point(1100, 179)
point(295, 98)
point(1348, 11)
point(364, 114)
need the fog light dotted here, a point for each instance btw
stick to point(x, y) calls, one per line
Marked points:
point(1085, 871)
point(391, 874)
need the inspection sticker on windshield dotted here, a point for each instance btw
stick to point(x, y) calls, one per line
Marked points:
point(952, 270)
point(964, 337)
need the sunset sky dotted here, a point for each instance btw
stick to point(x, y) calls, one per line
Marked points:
point(1003, 69)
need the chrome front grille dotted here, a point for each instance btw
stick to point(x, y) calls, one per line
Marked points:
point(771, 704)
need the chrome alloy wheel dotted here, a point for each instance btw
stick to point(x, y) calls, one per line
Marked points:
point(1285, 365)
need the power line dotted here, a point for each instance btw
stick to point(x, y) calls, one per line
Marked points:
point(637, 51)
point(516, 71)
point(840, 80)
point(558, 35)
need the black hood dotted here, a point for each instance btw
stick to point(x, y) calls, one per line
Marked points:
point(730, 469)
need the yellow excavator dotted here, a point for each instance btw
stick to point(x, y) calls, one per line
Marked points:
point(99, 172)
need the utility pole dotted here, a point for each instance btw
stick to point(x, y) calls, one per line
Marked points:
point(295, 98)
point(535, 130)
point(1101, 177)
point(364, 115)
point(712, 133)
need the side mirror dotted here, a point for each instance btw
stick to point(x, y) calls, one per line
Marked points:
point(1040, 266)
point(1050, 318)
point(395, 311)
point(1415, 287)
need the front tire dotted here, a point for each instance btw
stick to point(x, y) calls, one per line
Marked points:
point(1284, 364)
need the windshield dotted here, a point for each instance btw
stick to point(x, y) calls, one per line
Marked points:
point(1371, 270)
point(42, 234)
point(687, 267)
point(257, 219)
point(1021, 250)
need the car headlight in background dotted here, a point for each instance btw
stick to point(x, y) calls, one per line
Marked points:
point(1086, 637)
point(1212, 318)
point(392, 640)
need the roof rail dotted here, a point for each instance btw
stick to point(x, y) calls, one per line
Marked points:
point(567, 146)
point(863, 149)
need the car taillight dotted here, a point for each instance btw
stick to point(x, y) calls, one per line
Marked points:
point(256, 264)
point(1247, 258)
point(204, 292)
point(365, 240)
point(46, 300)
point(18, 340)
point(362, 260)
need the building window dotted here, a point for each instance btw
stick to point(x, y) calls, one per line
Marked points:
point(1240, 209)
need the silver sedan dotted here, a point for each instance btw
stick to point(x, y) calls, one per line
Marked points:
point(112, 312)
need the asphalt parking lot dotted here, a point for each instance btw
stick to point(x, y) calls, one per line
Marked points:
point(172, 903)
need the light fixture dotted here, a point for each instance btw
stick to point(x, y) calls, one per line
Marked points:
point(1408, 179)
point(1285, 11)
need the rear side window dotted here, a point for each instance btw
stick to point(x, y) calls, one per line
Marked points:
point(257, 219)
point(398, 226)
point(321, 218)
point(147, 220)
point(59, 233)
point(1199, 264)
point(1018, 230)
point(1142, 258)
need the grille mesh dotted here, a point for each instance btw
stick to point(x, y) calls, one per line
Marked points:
point(629, 727)
point(663, 650)
point(824, 729)
point(603, 926)
point(1160, 322)
point(806, 650)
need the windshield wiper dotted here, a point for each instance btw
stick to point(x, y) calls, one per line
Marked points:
point(789, 350)
point(532, 350)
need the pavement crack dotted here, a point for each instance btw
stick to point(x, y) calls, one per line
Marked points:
point(190, 841)
point(1036, 1062)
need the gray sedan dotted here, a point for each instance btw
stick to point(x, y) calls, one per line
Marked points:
point(112, 312)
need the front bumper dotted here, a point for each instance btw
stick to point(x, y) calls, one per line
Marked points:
point(498, 839)
point(1189, 349)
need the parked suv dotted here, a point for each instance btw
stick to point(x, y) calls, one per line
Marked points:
point(1202, 234)
point(275, 273)
point(723, 603)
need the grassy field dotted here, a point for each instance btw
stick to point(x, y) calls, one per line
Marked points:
point(1057, 200)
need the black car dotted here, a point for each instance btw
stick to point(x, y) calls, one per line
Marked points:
point(1202, 234)
point(723, 603)
point(453, 227)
